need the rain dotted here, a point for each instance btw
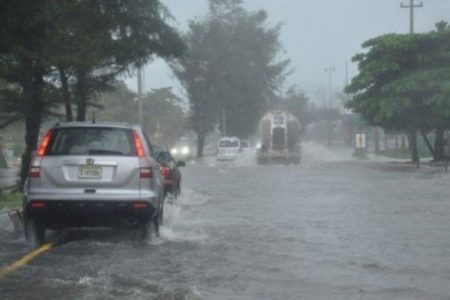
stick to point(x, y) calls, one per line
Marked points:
point(225, 149)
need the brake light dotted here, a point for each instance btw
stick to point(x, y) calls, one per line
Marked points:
point(37, 204)
point(45, 141)
point(141, 205)
point(146, 173)
point(138, 144)
point(165, 171)
point(35, 172)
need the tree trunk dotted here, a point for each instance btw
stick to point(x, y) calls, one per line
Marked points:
point(396, 141)
point(66, 94)
point(200, 144)
point(32, 125)
point(439, 153)
point(3, 163)
point(386, 140)
point(81, 95)
point(413, 146)
point(33, 90)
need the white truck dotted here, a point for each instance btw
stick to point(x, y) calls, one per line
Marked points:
point(279, 137)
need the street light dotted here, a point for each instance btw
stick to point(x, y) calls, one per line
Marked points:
point(329, 70)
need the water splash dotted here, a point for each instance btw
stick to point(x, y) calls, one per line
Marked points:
point(312, 151)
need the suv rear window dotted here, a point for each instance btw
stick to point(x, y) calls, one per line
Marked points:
point(92, 141)
point(229, 143)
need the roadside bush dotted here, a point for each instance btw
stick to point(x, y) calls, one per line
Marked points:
point(10, 200)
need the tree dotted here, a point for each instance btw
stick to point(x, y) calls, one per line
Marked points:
point(163, 117)
point(229, 71)
point(103, 39)
point(296, 103)
point(24, 67)
point(75, 48)
point(403, 83)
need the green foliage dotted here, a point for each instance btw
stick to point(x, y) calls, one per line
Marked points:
point(10, 200)
point(229, 68)
point(296, 103)
point(403, 82)
point(64, 52)
point(163, 118)
point(104, 38)
point(394, 153)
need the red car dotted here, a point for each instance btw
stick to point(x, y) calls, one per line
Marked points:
point(169, 170)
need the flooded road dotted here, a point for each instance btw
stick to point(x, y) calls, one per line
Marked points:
point(327, 229)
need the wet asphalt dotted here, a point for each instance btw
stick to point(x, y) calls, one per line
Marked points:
point(333, 228)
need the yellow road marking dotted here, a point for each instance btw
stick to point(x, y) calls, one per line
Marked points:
point(24, 260)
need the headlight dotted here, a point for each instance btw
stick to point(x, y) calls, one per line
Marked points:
point(185, 150)
point(174, 151)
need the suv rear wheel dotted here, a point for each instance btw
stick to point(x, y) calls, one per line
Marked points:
point(147, 230)
point(151, 227)
point(34, 231)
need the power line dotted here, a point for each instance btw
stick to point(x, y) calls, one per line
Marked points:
point(411, 7)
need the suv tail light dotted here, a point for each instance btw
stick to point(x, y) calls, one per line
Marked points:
point(35, 168)
point(43, 147)
point(138, 144)
point(165, 171)
point(141, 205)
point(35, 172)
point(37, 204)
point(146, 173)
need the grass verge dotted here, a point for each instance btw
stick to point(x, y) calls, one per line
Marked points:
point(10, 200)
point(395, 153)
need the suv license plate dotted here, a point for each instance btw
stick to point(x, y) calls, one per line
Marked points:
point(91, 172)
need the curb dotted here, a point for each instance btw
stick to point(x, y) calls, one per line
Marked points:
point(15, 218)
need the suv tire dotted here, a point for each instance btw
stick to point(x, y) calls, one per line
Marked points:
point(34, 231)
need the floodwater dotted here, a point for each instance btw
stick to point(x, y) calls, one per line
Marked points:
point(331, 228)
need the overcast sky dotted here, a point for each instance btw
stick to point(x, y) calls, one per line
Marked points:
point(316, 34)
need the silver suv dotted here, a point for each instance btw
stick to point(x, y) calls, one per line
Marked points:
point(93, 175)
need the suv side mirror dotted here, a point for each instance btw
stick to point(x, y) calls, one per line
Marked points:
point(181, 164)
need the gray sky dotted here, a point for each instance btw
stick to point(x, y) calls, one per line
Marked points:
point(316, 34)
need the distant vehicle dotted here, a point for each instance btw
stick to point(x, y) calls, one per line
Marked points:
point(184, 148)
point(90, 175)
point(279, 134)
point(228, 148)
point(245, 146)
point(169, 170)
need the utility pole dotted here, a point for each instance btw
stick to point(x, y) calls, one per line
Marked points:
point(413, 134)
point(411, 7)
point(329, 71)
point(346, 74)
point(139, 91)
point(224, 122)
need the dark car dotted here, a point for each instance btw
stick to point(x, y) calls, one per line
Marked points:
point(169, 170)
